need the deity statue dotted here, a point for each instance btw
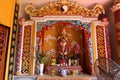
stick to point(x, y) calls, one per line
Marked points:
point(63, 46)
point(76, 53)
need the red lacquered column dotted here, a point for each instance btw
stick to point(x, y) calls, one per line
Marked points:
point(116, 11)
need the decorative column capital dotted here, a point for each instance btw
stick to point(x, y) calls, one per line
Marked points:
point(116, 5)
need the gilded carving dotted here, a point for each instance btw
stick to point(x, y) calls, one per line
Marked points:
point(116, 7)
point(100, 41)
point(26, 50)
point(64, 7)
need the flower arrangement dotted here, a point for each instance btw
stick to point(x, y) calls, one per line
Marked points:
point(41, 57)
point(45, 57)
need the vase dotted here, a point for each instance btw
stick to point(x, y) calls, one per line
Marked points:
point(63, 72)
point(41, 69)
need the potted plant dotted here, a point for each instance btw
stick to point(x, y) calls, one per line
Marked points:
point(41, 57)
point(41, 60)
point(44, 59)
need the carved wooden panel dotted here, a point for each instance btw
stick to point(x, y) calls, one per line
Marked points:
point(26, 50)
point(3, 49)
point(100, 41)
point(101, 44)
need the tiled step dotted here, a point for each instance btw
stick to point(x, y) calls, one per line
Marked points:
point(47, 77)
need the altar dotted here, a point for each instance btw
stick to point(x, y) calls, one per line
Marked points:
point(68, 37)
point(71, 70)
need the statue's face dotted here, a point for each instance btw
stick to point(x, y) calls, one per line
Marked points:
point(63, 42)
point(77, 47)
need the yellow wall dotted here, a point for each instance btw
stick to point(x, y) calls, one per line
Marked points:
point(6, 12)
point(6, 18)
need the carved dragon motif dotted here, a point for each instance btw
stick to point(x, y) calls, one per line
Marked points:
point(63, 7)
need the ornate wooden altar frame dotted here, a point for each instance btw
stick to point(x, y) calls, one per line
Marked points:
point(116, 11)
point(52, 13)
